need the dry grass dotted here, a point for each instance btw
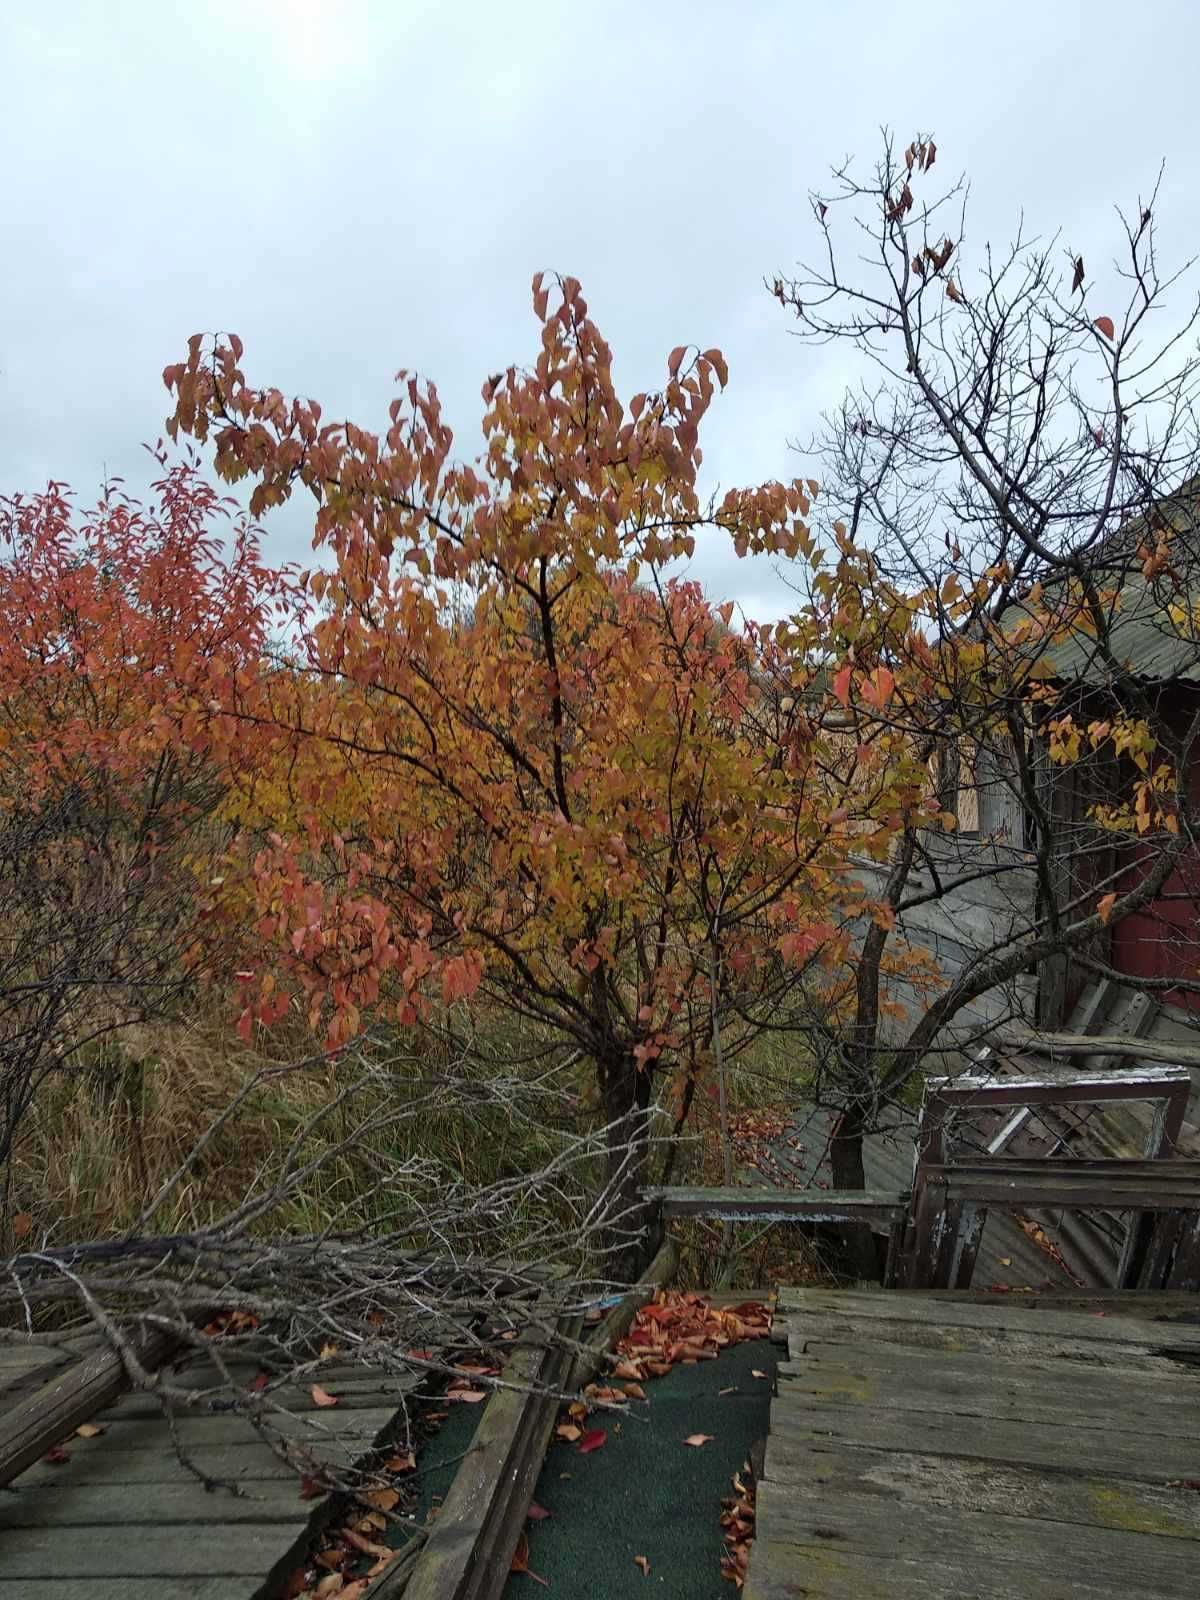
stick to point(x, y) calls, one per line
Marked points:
point(103, 1138)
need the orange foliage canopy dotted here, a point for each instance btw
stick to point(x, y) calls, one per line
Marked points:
point(522, 755)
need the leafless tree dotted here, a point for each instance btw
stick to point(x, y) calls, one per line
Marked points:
point(1022, 446)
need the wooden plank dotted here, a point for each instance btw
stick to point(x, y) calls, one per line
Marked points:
point(991, 1317)
point(1051, 1559)
point(189, 1588)
point(1057, 1448)
point(789, 1574)
point(89, 1504)
point(476, 1520)
point(352, 1393)
point(780, 1205)
point(1115, 1185)
point(1000, 1344)
point(235, 1463)
point(1168, 1052)
point(974, 1385)
point(73, 1396)
point(316, 1427)
point(145, 1550)
point(907, 1480)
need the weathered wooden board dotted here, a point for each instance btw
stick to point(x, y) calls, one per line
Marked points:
point(820, 1528)
point(978, 1386)
point(1092, 1449)
point(90, 1504)
point(315, 1426)
point(781, 1570)
point(950, 1313)
point(163, 1588)
point(781, 1205)
point(909, 1482)
point(145, 1550)
point(1000, 1343)
point(72, 1395)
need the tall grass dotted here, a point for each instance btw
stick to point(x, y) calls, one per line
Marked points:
point(105, 1135)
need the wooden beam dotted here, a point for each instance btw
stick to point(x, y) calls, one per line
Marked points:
point(1167, 1051)
point(1113, 1184)
point(781, 1205)
point(53, 1412)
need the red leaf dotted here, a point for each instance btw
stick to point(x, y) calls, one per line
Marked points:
point(56, 1455)
point(536, 1513)
point(311, 1488)
point(675, 359)
point(592, 1440)
point(1105, 326)
point(259, 1382)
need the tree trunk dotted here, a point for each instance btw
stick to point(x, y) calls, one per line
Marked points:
point(857, 1252)
point(629, 1235)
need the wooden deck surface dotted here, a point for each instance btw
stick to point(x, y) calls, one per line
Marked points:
point(124, 1519)
point(950, 1448)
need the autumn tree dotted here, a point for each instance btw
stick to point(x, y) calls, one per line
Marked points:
point(524, 762)
point(120, 624)
point(1015, 477)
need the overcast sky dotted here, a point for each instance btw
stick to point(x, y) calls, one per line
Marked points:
point(357, 186)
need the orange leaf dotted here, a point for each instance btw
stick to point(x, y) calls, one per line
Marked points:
point(569, 1432)
point(381, 1499)
point(1105, 326)
point(322, 1397)
point(841, 684)
point(520, 1561)
point(1104, 907)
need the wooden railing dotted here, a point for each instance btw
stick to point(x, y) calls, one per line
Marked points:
point(934, 1229)
point(951, 1204)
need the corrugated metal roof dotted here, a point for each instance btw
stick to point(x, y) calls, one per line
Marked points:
point(1142, 638)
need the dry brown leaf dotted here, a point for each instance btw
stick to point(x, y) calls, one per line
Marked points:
point(381, 1499)
point(644, 1563)
point(331, 1583)
point(88, 1430)
point(634, 1391)
point(322, 1397)
point(755, 1373)
point(697, 1439)
point(470, 1396)
point(368, 1547)
point(520, 1562)
point(569, 1432)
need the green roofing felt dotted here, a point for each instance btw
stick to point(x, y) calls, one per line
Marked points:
point(647, 1493)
